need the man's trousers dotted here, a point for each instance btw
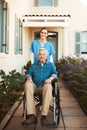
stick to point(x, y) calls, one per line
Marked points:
point(46, 92)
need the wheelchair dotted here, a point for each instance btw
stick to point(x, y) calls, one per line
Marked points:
point(54, 107)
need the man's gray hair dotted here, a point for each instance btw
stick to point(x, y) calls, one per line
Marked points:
point(43, 49)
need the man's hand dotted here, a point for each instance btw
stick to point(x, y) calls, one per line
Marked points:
point(48, 81)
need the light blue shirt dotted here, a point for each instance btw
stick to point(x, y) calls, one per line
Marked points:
point(35, 46)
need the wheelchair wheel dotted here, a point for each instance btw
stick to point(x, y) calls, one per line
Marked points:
point(24, 115)
point(56, 107)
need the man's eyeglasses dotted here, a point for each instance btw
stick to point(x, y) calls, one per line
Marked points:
point(43, 32)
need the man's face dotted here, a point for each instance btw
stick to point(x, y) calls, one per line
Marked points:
point(43, 34)
point(42, 56)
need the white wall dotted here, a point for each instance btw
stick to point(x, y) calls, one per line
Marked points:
point(77, 22)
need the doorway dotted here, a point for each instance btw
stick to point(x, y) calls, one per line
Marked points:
point(53, 38)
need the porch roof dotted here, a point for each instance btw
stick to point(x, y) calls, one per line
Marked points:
point(45, 20)
point(53, 15)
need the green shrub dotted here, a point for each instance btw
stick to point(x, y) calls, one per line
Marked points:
point(27, 66)
point(10, 87)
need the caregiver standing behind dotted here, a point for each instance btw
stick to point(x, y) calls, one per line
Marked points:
point(41, 43)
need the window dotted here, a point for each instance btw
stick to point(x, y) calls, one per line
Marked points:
point(46, 3)
point(4, 28)
point(81, 43)
point(18, 36)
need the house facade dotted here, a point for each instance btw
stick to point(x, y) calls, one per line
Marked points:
point(20, 23)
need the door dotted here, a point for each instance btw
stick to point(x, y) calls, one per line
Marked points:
point(53, 38)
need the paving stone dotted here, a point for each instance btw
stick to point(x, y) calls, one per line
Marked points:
point(69, 104)
point(69, 99)
point(19, 111)
point(75, 122)
point(73, 112)
point(15, 123)
point(51, 121)
point(76, 128)
point(45, 128)
point(64, 93)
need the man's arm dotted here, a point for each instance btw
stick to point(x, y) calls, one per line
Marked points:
point(53, 75)
point(29, 74)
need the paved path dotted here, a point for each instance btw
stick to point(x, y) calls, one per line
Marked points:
point(72, 116)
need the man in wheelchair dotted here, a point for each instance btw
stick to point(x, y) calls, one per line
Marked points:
point(38, 80)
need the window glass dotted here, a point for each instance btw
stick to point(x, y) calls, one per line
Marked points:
point(45, 3)
point(77, 43)
point(84, 47)
point(84, 42)
point(84, 37)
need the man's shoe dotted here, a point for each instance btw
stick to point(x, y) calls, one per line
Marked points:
point(31, 119)
point(44, 121)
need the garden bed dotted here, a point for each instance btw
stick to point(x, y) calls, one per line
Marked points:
point(11, 88)
point(3, 113)
point(6, 118)
point(73, 72)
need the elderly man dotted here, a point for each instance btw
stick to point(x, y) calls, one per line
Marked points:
point(38, 79)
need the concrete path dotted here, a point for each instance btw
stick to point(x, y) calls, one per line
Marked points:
point(72, 117)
